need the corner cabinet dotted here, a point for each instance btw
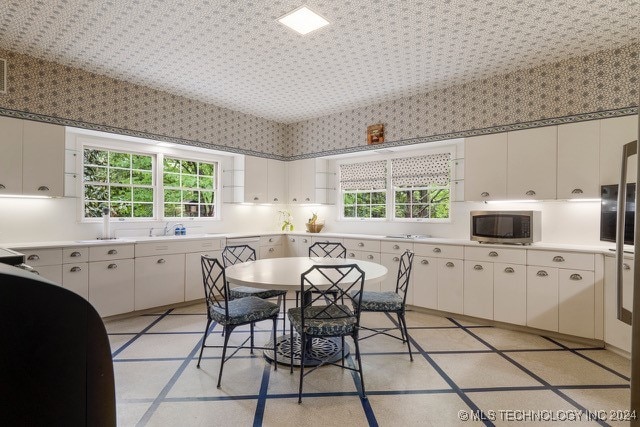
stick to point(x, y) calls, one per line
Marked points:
point(248, 179)
point(310, 181)
point(32, 160)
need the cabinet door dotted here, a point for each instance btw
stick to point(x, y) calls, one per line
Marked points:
point(531, 164)
point(293, 182)
point(159, 281)
point(193, 285)
point(43, 159)
point(303, 246)
point(111, 286)
point(510, 293)
point(276, 181)
point(392, 262)
point(275, 251)
point(10, 156)
point(424, 282)
point(450, 285)
point(478, 289)
point(307, 180)
point(255, 179)
point(542, 298)
point(614, 133)
point(485, 159)
point(576, 309)
point(75, 277)
point(51, 272)
point(578, 161)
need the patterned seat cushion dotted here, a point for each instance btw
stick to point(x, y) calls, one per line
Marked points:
point(244, 310)
point(380, 301)
point(325, 326)
point(246, 291)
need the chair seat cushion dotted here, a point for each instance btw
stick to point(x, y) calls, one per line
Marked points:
point(246, 291)
point(344, 322)
point(244, 310)
point(380, 301)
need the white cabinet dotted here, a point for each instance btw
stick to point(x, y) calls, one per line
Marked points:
point(310, 181)
point(478, 289)
point(32, 158)
point(47, 262)
point(510, 293)
point(111, 286)
point(193, 281)
point(298, 245)
point(255, 179)
point(276, 181)
point(271, 246)
point(578, 160)
point(614, 133)
point(531, 163)
point(542, 298)
point(576, 309)
point(485, 167)
point(616, 332)
point(450, 285)
point(424, 282)
point(75, 277)
point(249, 179)
point(159, 280)
point(392, 262)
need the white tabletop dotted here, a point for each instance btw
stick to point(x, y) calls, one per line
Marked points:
point(284, 273)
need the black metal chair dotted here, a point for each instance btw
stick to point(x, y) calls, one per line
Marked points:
point(331, 319)
point(232, 255)
point(391, 302)
point(231, 313)
point(325, 250)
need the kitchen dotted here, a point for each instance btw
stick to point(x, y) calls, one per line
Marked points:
point(575, 85)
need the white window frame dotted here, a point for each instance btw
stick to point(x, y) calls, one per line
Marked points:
point(145, 147)
point(340, 192)
point(216, 192)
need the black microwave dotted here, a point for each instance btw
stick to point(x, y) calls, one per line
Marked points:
point(512, 227)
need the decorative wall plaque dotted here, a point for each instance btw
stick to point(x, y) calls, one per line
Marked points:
point(375, 134)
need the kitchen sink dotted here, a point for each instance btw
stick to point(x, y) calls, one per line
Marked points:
point(408, 236)
point(100, 240)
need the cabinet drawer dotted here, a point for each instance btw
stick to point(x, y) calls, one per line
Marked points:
point(362, 245)
point(395, 247)
point(105, 253)
point(326, 239)
point(270, 240)
point(439, 251)
point(572, 260)
point(39, 257)
point(75, 277)
point(203, 245)
point(511, 256)
point(75, 255)
point(271, 251)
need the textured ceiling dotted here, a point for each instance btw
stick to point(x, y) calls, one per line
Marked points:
point(234, 54)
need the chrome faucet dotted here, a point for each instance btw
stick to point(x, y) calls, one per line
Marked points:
point(168, 229)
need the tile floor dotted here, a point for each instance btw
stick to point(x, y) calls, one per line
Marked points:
point(491, 375)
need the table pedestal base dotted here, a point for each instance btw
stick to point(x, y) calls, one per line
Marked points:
point(329, 349)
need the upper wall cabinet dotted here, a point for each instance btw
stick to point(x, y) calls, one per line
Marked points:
point(531, 164)
point(485, 167)
point(310, 181)
point(249, 179)
point(31, 158)
point(614, 133)
point(255, 179)
point(578, 162)
point(276, 181)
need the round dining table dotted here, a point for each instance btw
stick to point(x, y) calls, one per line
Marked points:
point(285, 274)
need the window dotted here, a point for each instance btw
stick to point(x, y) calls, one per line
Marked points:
point(119, 180)
point(421, 186)
point(363, 189)
point(189, 188)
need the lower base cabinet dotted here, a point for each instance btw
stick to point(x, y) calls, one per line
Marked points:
point(159, 280)
point(75, 277)
point(510, 293)
point(51, 272)
point(111, 286)
point(424, 282)
point(478, 289)
point(193, 281)
point(450, 285)
point(576, 309)
point(542, 298)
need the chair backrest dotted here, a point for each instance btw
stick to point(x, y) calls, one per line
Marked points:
point(216, 288)
point(232, 255)
point(342, 282)
point(404, 274)
point(327, 250)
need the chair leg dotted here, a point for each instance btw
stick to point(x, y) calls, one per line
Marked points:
point(297, 298)
point(275, 344)
point(252, 325)
point(292, 342)
point(403, 325)
point(342, 360)
point(303, 350)
point(204, 338)
point(355, 341)
point(284, 313)
point(227, 331)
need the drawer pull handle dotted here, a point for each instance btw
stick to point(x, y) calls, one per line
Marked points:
point(305, 241)
point(396, 259)
point(542, 273)
point(396, 247)
point(577, 191)
point(294, 200)
point(484, 194)
point(292, 239)
point(307, 199)
point(270, 239)
point(2, 187)
point(575, 277)
point(509, 270)
point(275, 199)
point(271, 249)
point(360, 244)
point(450, 264)
point(424, 262)
point(112, 252)
point(530, 193)
point(437, 250)
point(352, 255)
point(478, 267)
point(75, 269)
point(161, 261)
point(75, 254)
point(626, 266)
point(558, 258)
point(112, 266)
point(33, 257)
point(43, 188)
point(369, 256)
point(256, 198)
point(493, 254)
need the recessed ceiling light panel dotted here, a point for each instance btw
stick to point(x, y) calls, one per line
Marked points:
point(303, 20)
